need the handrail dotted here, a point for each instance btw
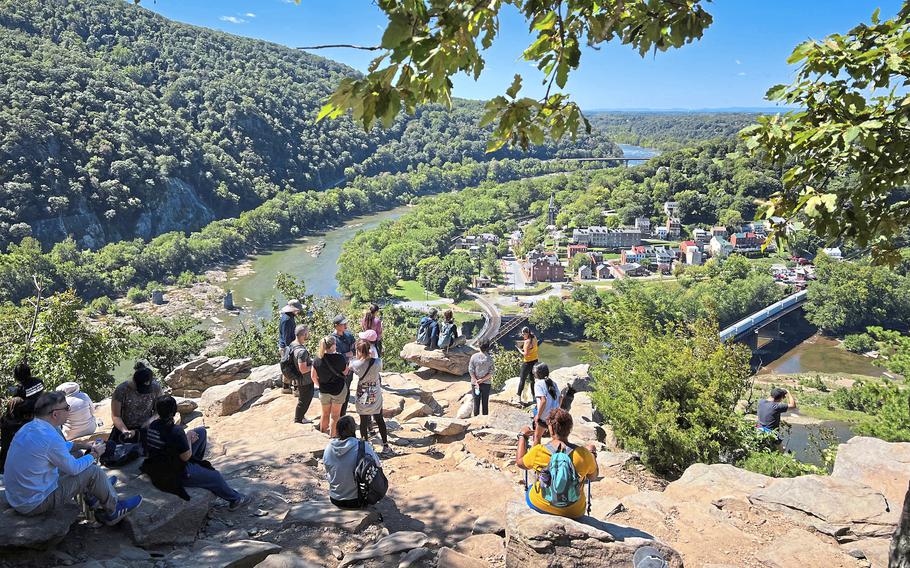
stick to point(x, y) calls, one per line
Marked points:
point(760, 316)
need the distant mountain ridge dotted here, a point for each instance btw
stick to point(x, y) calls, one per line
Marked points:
point(119, 123)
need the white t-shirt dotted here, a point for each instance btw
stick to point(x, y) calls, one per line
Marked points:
point(81, 419)
point(540, 390)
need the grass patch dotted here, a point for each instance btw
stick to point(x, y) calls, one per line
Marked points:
point(462, 317)
point(411, 290)
point(538, 289)
point(468, 305)
point(824, 413)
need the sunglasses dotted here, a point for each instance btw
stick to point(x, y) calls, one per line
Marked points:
point(66, 408)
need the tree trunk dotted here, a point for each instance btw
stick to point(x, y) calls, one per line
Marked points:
point(900, 542)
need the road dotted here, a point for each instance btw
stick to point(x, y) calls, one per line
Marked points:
point(514, 275)
point(492, 318)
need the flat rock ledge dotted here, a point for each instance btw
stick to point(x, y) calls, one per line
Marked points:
point(41, 532)
point(534, 540)
point(204, 372)
point(236, 554)
point(164, 518)
point(323, 514)
point(454, 361)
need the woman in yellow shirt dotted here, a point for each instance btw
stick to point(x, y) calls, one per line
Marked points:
point(528, 352)
point(538, 457)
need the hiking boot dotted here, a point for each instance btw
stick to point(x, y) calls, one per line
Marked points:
point(648, 557)
point(124, 508)
point(243, 501)
point(91, 500)
point(286, 389)
point(386, 450)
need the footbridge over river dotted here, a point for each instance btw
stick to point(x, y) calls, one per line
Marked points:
point(747, 328)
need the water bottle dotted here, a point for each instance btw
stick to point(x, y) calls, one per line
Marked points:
point(476, 390)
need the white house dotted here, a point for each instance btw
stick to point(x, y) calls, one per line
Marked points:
point(720, 247)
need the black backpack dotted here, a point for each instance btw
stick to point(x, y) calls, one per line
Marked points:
point(372, 483)
point(288, 363)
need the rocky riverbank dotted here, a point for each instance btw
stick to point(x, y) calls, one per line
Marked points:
point(456, 497)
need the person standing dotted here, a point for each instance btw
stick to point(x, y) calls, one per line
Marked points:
point(480, 368)
point(329, 374)
point(43, 475)
point(133, 406)
point(21, 408)
point(770, 410)
point(81, 420)
point(547, 396)
point(529, 358)
point(369, 393)
point(372, 321)
point(299, 366)
point(286, 325)
point(344, 345)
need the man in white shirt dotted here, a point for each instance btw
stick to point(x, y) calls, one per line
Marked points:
point(41, 473)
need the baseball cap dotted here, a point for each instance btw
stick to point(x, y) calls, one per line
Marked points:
point(340, 319)
point(368, 335)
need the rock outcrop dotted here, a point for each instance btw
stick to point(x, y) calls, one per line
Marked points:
point(841, 508)
point(236, 554)
point(226, 399)
point(446, 426)
point(204, 372)
point(19, 531)
point(545, 541)
point(881, 465)
point(164, 518)
point(454, 361)
point(322, 513)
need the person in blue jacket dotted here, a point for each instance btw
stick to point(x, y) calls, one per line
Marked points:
point(286, 325)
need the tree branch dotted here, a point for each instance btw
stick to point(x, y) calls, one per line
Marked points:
point(346, 45)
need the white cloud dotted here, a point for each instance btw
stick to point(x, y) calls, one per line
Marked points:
point(232, 19)
point(738, 62)
point(742, 73)
point(250, 15)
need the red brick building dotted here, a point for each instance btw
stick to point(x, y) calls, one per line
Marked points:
point(545, 269)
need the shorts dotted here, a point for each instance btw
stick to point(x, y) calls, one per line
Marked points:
point(328, 399)
point(542, 423)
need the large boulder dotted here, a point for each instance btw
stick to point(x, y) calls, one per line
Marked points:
point(224, 400)
point(881, 465)
point(396, 542)
point(285, 560)
point(204, 372)
point(454, 361)
point(799, 548)
point(534, 540)
point(43, 531)
point(446, 426)
point(164, 518)
point(844, 509)
point(322, 513)
point(236, 554)
point(708, 483)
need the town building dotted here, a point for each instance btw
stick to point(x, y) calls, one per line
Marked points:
point(552, 211)
point(663, 255)
point(693, 255)
point(684, 246)
point(746, 241)
point(572, 250)
point(585, 272)
point(671, 208)
point(515, 239)
point(602, 272)
point(544, 268)
point(643, 224)
point(674, 227)
point(720, 247)
point(605, 237)
point(625, 270)
point(661, 232)
point(719, 231)
point(701, 237)
point(637, 255)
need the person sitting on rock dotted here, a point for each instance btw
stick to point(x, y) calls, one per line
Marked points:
point(546, 395)
point(42, 474)
point(329, 374)
point(176, 458)
point(448, 331)
point(368, 399)
point(340, 460)
point(428, 330)
point(558, 489)
point(133, 406)
point(770, 410)
point(21, 408)
point(81, 420)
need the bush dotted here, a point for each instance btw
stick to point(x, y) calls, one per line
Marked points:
point(186, 279)
point(167, 342)
point(777, 464)
point(136, 295)
point(506, 364)
point(859, 342)
point(863, 396)
point(815, 382)
point(100, 306)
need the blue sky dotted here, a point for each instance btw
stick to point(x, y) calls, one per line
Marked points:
point(742, 54)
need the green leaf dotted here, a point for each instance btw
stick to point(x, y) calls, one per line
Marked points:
point(801, 52)
point(516, 86)
point(398, 30)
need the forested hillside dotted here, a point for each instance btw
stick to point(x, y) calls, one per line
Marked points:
point(119, 123)
point(670, 130)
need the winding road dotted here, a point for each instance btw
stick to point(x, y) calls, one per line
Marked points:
point(493, 320)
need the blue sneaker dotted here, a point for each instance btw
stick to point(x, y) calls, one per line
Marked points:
point(124, 508)
point(91, 500)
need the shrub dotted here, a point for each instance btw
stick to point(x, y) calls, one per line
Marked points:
point(186, 278)
point(859, 342)
point(506, 364)
point(815, 382)
point(777, 464)
point(100, 306)
point(136, 295)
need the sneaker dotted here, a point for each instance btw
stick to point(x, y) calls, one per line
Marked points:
point(124, 508)
point(287, 390)
point(91, 500)
point(386, 450)
point(243, 501)
point(648, 557)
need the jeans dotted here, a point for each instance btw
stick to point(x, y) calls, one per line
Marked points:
point(199, 445)
point(483, 398)
point(347, 381)
point(365, 427)
point(527, 370)
point(304, 398)
point(197, 476)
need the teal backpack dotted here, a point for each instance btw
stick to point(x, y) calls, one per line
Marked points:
point(560, 485)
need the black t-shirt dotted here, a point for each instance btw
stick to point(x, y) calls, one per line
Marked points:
point(165, 439)
point(330, 371)
point(769, 413)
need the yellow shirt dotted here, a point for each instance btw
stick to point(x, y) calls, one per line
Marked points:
point(537, 459)
point(532, 352)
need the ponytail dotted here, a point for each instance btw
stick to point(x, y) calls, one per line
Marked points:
point(551, 388)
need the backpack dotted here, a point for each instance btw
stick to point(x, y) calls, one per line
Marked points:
point(372, 483)
point(423, 330)
point(288, 363)
point(446, 335)
point(560, 485)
